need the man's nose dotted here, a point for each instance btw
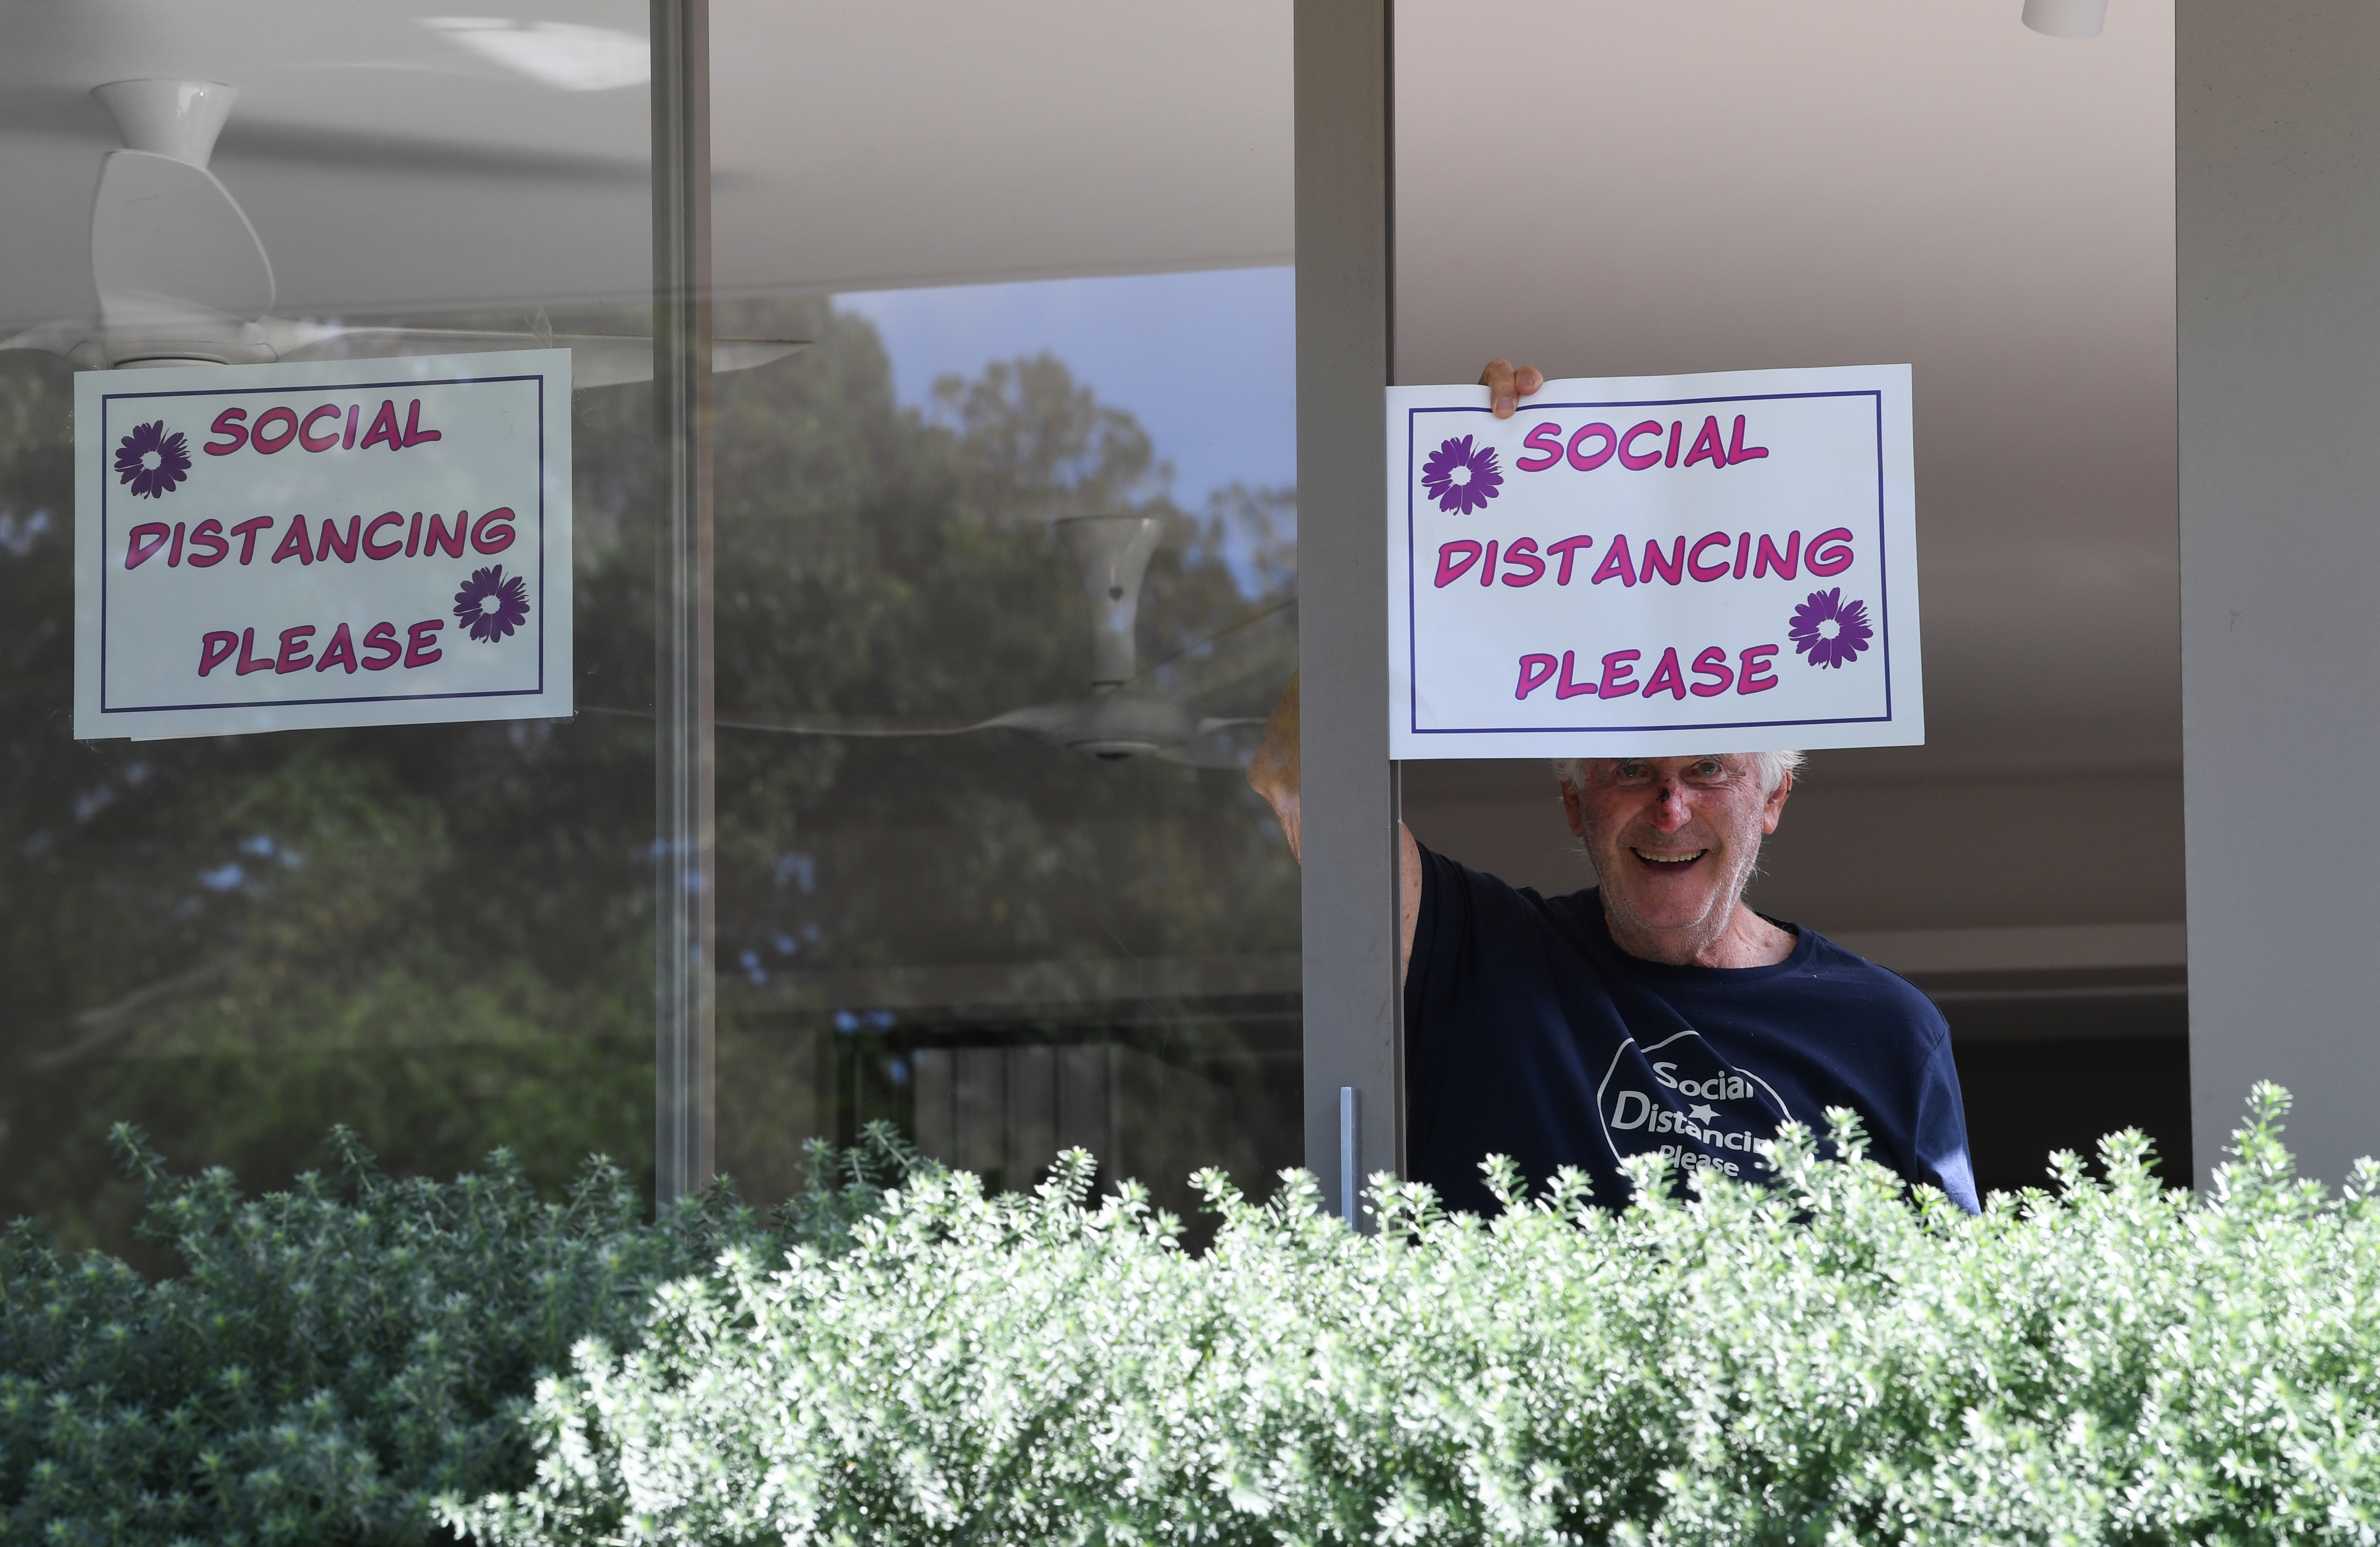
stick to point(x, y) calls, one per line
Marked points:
point(1670, 809)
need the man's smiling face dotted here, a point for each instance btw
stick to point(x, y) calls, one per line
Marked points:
point(1673, 840)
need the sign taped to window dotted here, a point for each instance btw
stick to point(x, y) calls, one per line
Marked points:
point(348, 542)
point(1655, 565)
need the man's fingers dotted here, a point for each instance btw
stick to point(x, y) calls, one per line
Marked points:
point(1506, 387)
point(1498, 380)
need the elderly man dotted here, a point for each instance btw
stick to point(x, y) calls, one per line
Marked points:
point(1654, 1012)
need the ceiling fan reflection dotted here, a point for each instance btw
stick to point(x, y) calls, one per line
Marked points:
point(183, 278)
point(1124, 715)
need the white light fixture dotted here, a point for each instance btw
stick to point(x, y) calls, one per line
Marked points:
point(2066, 19)
point(562, 54)
point(177, 118)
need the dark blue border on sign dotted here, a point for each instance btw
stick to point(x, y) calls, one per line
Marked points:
point(106, 486)
point(1413, 644)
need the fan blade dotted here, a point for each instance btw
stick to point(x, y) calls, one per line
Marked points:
point(858, 726)
point(1220, 743)
point(596, 360)
point(57, 338)
point(169, 245)
point(1241, 665)
point(1040, 719)
point(828, 725)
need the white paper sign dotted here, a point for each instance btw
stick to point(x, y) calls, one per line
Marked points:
point(1655, 565)
point(352, 542)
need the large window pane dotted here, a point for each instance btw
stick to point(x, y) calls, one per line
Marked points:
point(1075, 925)
point(440, 934)
point(1043, 255)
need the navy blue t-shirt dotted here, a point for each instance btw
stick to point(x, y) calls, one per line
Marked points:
point(1529, 1033)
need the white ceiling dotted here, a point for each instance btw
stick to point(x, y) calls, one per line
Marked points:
point(387, 167)
point(1596, 185)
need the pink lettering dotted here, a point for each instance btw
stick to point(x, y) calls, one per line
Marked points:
point(372, 548)
point(1448, 570)
point(1712, 663)
point(1524, 551)
point(1706, 447)
point(1667, 677)
point(1837, 541)
point(438, 538)
point(228, 425)
point(268, 445)
point(383, 430)
point(293, 656)
point(382, 636)
point(293, 544)
point(1751, 664)
point(248, 663)
point(1589, 461)
point(1545, 440)
point(340, 651)
point(215, 649)
point(1614, 565)
point(1670, 564)
point(1785, 563)
point(1739, 452)
point(306, 429)
point(422, 642)
point(245, 531)
point(207, 544)
point(144, 541)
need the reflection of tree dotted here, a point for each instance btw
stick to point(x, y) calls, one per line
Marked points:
point(435, 934)
point(900, 568)
point(441, 934)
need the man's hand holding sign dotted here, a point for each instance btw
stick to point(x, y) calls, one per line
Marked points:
point(1573, 575)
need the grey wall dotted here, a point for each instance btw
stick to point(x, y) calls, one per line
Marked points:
point(1876, 841)
point(2277, 231)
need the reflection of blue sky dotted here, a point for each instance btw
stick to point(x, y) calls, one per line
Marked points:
point(1207, 361)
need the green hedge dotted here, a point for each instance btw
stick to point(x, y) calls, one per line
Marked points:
point(1821, 1362)
point(330, 1360)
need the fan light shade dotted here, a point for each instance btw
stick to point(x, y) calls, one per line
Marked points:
point(1113, 554)
point(177, 118)
point(2066, 19)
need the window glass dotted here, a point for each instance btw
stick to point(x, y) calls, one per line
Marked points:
point(1007, 585)
point(1064, 505)
point(441, 933)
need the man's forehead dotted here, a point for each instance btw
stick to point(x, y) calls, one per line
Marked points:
point(1742, 760)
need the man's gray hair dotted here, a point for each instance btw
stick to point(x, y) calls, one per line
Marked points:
point(1772, 766)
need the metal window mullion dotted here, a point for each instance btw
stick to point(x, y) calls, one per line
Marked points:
point(686, 921)
point(1349, 827)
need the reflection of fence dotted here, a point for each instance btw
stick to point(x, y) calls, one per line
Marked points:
point(1006, 1112)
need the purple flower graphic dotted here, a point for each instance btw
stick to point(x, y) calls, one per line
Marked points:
point(1460, 479)
point(153, 461)
point(492, 606)
point(1829, 630)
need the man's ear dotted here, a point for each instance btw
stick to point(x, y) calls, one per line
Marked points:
point(1773, 810)
point(1577, 817)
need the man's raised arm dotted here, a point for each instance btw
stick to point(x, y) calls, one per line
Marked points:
point(1273, 772)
